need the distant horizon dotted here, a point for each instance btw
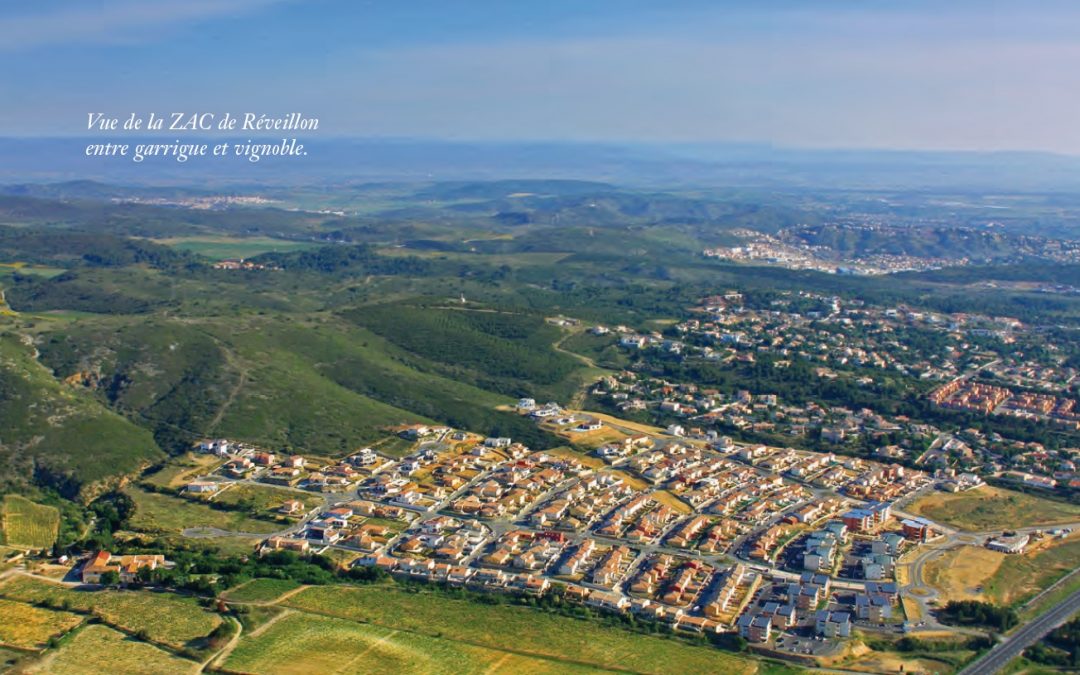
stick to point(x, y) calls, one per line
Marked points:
point(762, 145)
point(53, 159)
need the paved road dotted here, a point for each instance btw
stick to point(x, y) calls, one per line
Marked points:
point(998, 657)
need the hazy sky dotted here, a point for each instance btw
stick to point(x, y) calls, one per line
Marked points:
point(967, 75)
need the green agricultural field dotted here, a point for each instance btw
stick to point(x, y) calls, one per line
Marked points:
point(220, 248)
point(304, 643)
point(512, 664)
point(169, 619)
point(27, 524)
point(28, 627)
point(99, 649)
point(991, 508)
point(253, 616)
point(261, 590)
point(155, 512)
point(521, 629)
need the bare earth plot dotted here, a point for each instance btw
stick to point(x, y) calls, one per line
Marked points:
point(962, 573)
point(894, 662)
point(183, 469)
point(976, 573)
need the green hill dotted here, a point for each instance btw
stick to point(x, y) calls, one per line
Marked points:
point(506, 352)
point(56, 434)
point(315, 383)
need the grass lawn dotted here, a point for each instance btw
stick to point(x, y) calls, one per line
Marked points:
point(28, 524)
point(306, 643)
point(220, 248)
point(31, 627)
point(261, 590)
point(100, 649)
point(164, 513)
point(518, 628)
point(992, 508)
point(166, 618)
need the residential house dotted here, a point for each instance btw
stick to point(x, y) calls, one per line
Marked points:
point(832, 624)
point(126, 567)
point(754, 627)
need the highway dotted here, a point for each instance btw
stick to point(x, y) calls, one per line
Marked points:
point(1027, 635)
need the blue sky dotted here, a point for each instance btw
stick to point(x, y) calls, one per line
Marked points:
point(983, 75)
